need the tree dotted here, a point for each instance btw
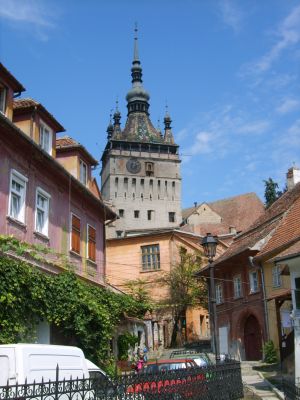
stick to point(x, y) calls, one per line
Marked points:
point(184, 288)
point(271, 192)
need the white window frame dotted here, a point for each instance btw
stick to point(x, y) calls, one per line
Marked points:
point(237, 286)
point(3, 97)
point(43, 127)
point(81, 164)
point(45, 229)
point(276, 276)
point(22, 181)
point(219, 293)
point(254, 287)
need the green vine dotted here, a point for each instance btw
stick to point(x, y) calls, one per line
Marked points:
point(126, 341)
point(86, 314)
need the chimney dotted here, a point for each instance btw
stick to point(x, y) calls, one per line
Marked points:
point(232, 229)
point(292, 177)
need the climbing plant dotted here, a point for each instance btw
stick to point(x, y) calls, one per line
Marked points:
point(79, 310)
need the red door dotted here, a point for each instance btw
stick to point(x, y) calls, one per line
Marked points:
point(252, 339)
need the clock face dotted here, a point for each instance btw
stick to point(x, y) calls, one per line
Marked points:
point(133, 165)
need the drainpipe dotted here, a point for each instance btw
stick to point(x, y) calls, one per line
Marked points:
point(265, 301)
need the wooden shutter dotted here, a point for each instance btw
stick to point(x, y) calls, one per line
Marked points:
point(91, 243)
point(75, 240)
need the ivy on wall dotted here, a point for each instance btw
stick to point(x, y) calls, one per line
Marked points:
point(80, 310)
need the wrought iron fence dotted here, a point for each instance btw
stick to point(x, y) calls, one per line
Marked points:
point(220, 382)
point(291, 390)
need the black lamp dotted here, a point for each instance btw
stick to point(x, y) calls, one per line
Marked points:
point(209, 244)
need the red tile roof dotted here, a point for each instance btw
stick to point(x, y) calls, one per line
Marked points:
point(291, 251)
point(12, 81)
point(21, 105)
point(286, 232)
point(264, 227)
point(66, 143)
point(238, 212)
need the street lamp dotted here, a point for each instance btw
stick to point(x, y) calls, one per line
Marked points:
point(209, 244)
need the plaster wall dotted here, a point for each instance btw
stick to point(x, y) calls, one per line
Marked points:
point(61, 207)
point(159, 194)
point(204, 214)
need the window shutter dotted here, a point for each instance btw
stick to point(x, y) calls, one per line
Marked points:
point(91, 243)
point(75, 242)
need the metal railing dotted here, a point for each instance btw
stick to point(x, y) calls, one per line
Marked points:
point(218, 382)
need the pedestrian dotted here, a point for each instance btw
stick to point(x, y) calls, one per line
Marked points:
point(145, 353)
point(139, 364)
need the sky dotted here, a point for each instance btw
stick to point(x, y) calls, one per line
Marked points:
point(228, 71)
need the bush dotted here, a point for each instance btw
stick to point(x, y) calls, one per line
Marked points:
point(270, 354)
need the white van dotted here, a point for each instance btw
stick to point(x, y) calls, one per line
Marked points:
point(39, 361)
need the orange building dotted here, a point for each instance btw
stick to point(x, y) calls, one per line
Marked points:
point(147, 257)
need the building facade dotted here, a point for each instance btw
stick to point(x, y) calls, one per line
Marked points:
point(141, 167)
point(43, 199)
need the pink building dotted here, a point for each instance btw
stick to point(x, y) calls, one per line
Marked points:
point(47, 193)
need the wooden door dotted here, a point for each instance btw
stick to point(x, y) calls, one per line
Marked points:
point(252, 339)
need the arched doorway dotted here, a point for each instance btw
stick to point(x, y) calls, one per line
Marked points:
point(252, 339)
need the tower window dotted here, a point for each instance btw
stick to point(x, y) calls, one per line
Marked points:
point(125, 183)
point(149, 168)
point(142, 196)
point(136, 214)
point(121, 213)
point(116, 182)
point(134, 182)
point(150, 215)
point(171, 217)
point(142, 182)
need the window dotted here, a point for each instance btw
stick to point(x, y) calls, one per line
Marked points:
point(150, 214)
point(126, 183)
point(116, 182)
point(2, 99)
point(83, 172)
point(42, 211)
point(45, 138)
point(17, 196)
point(121, 213)
point(91, 243)
point(297, 293)
point(276, 276)
point(219, 294)
point(253, 281)
point(149, 168)
point(119, 234)
point(171, 217)
point(142, 183)
point(75, 238)
point(136, 213)
point(150, 257)
point(237, 286)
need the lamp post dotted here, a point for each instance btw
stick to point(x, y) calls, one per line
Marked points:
point(209, 244)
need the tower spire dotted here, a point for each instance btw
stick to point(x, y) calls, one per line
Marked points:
point(137, 97)
point(136, 50)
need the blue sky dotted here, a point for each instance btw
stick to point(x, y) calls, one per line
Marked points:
point(229, 71)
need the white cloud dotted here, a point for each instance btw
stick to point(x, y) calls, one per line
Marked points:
point(231, 14)
point(218, 133)
point(288, 34)
point(29, 13)
point(255, 127)
point(288, 105)
point(202, 143)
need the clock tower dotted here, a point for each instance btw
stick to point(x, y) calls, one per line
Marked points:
point(141, 167)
